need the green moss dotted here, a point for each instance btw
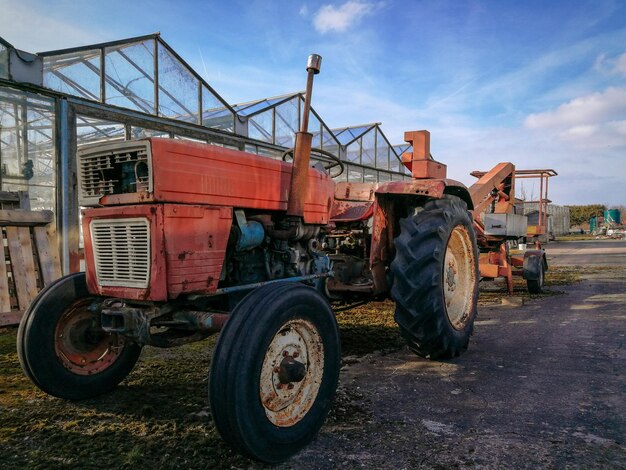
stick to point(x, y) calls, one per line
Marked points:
point(368, 328)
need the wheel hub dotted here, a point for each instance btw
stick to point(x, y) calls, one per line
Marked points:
point(459, 277)
point(450, 275)
point(81, 345)
point(291, 370)
point(291, 373)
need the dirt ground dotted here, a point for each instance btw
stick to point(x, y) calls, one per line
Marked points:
point(542, 385)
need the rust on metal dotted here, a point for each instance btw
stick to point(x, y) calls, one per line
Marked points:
point(544, 175)
point(350, 211)
point(298, 187)
point(81, 345)
point(430, 188)
point(299, 184)
point(355, 191)
point(288, 386)
point(495, 185)
point(419, 161)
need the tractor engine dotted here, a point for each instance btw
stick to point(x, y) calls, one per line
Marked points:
point(348, 246)
point(258, 252)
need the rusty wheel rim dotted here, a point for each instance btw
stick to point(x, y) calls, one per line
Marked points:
point(459, 277)
point(81, 345)
point(292, 373)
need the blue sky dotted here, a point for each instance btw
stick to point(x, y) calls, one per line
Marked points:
point(538, 83)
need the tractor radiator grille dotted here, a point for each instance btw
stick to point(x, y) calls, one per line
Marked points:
point(121, 250)
point(113, 169)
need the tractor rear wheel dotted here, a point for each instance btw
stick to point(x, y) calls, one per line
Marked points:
point(63, 349)
point(274, 371)
point(435, 284)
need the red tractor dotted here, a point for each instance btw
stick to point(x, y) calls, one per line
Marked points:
point(183, 240)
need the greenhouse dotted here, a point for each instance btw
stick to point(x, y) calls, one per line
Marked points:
point(53, 102)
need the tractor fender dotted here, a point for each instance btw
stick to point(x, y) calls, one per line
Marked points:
point(430, 188)
point(533, 261)
point(384, 225)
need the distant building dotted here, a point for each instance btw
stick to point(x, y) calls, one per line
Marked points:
point(558, 217)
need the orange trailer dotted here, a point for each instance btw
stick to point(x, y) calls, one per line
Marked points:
point(496, 223)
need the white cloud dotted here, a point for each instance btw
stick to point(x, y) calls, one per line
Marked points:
point(619, 66)
point(339, 19)
point(304, 10)
point(611, 65)
point(586, 110)
point(580, 131)
point(26, 28)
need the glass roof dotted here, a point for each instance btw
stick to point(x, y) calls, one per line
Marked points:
point(257, 106)
point(347, 134)
point(145, 74)
point(401, 148)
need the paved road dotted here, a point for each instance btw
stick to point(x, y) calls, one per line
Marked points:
point(593, 252)
point(542, 386)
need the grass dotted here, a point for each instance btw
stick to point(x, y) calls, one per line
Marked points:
point(159, 417)
point(575, 237)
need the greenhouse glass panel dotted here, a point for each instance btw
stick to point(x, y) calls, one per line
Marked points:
point(287, 123)
point(178, 88)
point(369, 175)
point(315, 127)
point(401, 148)
point(382, 151)
point(40, 148)
point(27, 146)
point(214, 113)
point(368, 142)
point(129, 72)
point(76, 73)
point(4, 62)
point(355, 173)
point(11, 157)
point(143, 133)
point(91, 130)
point(343, 176)
point(347, 134)
point(395, 156)
point(251, 149)
point(384, 176)
point(354, 152)
point(247, 109)
point(329, 143)
point(190, 139)
point(260, 126)
point(270, 153)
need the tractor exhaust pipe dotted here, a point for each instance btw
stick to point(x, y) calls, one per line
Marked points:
point(299, 188)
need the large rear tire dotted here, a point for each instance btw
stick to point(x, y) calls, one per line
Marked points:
point(62, 348)
point(275, 371)
point(435, 284)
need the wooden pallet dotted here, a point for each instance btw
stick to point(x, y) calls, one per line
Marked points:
point(29, 259)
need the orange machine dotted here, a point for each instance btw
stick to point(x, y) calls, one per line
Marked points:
point(496, 223)
point(183, 240)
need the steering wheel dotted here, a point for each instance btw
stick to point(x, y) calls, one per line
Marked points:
point(329, 161)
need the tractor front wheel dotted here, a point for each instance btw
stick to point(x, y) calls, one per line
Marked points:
point(275, 371)
point(435, 284)
point(62, 347)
